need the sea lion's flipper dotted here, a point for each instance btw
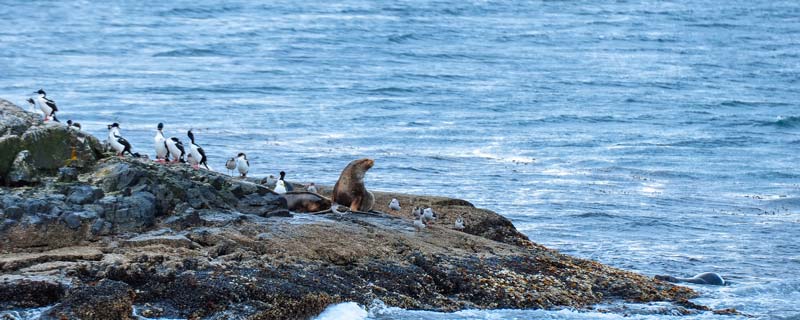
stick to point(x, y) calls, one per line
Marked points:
point(355, 204)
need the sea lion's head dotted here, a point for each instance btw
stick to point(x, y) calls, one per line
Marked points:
point(361, 166)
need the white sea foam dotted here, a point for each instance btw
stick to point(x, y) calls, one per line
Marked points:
point(345, 310)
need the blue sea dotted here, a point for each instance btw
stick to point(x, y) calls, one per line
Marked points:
point(661, 137)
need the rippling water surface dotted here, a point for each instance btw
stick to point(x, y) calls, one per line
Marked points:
point(656, 136)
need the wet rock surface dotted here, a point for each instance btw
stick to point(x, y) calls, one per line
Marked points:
point(182, 243)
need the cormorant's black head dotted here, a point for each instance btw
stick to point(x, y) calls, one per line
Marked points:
point(160, 126)
point(41, 92)
point(191, 135)
point(241, 154)
point(69, 122)
point(283, 174)
point(115, 125)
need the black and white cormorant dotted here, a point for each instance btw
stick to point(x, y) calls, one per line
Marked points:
point(197, 155)
point(242, 164)
point(46, 105)
point(160, 144)
point(118, 142)
point(287, 185)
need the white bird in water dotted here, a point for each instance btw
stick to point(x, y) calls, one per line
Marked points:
point(280, 187)
point(46, 105)
point(160, 144)
point(230, 165)
point(394, 205)
point(242, 164)
point(419, 224)
point(198, 155)
point(428, 214)
point(311, 188)
point(459, 224)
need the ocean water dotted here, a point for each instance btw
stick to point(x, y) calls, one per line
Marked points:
point(660, 137)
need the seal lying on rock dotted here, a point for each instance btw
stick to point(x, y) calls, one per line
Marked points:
point(703, 278)
point(306, 202)
point(350, 190)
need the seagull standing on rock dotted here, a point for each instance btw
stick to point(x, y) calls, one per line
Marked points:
point(419, 224)
point(242, 164)
point(230, 165)
point(459, 224)
point(428, 214)
point(394, 205)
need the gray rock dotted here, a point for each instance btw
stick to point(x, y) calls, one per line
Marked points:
point(9, 147)
point(94, 207)
point(15, 120)
point(7, 223)
point(11, 200)
point(84, 194)
point(56, 211)
point(33, 206)
point(132, 213)
point(22, 170)
point(67, 174)
point(14, 212)
point(122, 176)
point(74, 220)
point(101, 227)
point(56, 197)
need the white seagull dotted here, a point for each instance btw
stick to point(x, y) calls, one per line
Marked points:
point(230, 165)
point(394, 205)
point(428, 214)
point(459, 224)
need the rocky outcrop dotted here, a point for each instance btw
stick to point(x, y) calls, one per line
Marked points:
point(107, 299)
point(48, 146)
point(176, 242)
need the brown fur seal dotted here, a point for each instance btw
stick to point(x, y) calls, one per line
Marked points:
point(350, 190)
point(306, 202)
